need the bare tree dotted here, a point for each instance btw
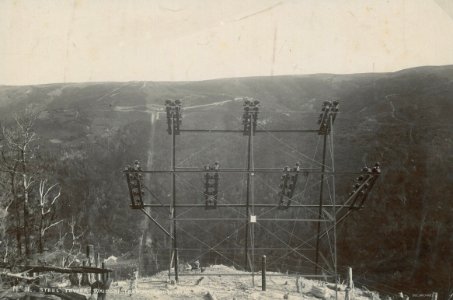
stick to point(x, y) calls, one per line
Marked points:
point(17, 152)
point(5, 202)
point(9, 168)
point(4, 241)
point(70, 243)
point(48, 197)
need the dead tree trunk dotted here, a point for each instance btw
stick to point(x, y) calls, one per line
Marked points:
point(17, 213)
point(25, 187)
point(48, 197)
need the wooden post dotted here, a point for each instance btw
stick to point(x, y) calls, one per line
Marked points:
point(90, 258)
point(85, 280)
point(350, 286)
point(350, 282)
point(298, 284)
point(107, 275)
point(90, 255)
point(103, 275)
point(97, 260)
point(263, 272)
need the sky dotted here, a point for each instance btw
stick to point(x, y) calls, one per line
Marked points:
point(50, 41)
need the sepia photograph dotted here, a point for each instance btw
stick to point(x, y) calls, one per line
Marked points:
point(242, 149)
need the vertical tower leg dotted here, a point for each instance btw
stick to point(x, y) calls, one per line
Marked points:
point(332, 163)
point(173, 165)
point(247, 202)
point(323, 167)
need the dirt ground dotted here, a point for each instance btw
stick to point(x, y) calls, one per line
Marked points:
point(229, 285)
point(232, 284)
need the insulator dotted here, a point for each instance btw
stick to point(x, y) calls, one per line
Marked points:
point(376, 168)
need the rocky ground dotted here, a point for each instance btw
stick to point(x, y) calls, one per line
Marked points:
point(206, 284)
point(229, 285)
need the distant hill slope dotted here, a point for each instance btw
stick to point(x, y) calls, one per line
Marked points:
point(402, 238)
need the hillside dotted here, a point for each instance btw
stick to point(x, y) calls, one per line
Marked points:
point(401, 240)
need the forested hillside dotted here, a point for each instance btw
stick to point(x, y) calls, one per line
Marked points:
point(401, 240)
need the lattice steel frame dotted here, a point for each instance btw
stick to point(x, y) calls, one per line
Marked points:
point(250, 117)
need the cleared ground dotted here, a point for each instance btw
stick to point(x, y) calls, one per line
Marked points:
point(199, 285)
